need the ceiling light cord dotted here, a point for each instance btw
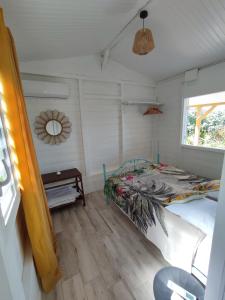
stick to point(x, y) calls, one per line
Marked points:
point(116, 39)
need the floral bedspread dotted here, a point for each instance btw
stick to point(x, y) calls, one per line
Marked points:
point(142, 193)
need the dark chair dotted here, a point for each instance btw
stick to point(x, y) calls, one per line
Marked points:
point(179, 277)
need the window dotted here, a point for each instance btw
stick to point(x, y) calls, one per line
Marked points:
point(204, 121)
point(8, 187)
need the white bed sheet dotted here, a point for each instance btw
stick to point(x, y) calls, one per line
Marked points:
point(200, 213)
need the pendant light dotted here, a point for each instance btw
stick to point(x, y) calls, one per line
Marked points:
point(143, 41)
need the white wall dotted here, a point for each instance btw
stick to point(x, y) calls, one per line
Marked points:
point(138, 138)
point(16, 262)
point(29, 277)
point(82, 66)
point(12, 253)
point(103, 131)
point(210, 80)
point(65, 155)
point(168, 127)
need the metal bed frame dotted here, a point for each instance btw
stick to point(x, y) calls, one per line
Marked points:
point(127, 166)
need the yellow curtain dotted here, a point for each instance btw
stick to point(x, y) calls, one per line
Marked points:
point(38, 219)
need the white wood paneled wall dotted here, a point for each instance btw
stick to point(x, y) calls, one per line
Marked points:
point(137, 129)
point(103, 129)
point(101, 124)
point(70, 153)
point(137, 132)
point(168, 130)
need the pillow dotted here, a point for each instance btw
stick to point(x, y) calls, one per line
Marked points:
point(213, 185)
point(183, 197)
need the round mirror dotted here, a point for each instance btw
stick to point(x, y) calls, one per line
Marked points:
point(53, 127)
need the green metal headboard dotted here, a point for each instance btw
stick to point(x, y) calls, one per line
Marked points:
point(129, 165)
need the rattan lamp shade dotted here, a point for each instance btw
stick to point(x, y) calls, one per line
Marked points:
point(143, 42)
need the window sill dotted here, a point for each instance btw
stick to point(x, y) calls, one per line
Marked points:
point(6, 224)
point(11, 216)
point(206, 149)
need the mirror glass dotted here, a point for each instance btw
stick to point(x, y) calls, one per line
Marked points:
point(53, 127)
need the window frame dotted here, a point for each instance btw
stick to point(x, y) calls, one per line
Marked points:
point(182, 134)
point(6, 222)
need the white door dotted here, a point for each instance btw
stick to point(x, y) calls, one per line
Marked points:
point(11, 253)
point(215, 289)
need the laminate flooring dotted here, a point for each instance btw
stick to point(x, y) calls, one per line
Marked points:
point(102, 254)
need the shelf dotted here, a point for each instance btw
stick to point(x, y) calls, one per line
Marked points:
point(60, 202)
point(150, 103)
point(61, 195)
point(102, 96)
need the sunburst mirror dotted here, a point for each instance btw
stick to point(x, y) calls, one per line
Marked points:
point(52, 127)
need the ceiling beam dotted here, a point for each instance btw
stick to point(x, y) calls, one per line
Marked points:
point(207, 104)
point(104, 59)
point(106, 52)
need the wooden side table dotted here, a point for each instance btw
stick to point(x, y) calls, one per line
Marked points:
point(59, 178)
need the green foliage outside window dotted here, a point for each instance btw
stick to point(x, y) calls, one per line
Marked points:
point(212, 132)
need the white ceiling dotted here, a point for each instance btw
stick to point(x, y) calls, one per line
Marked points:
point(187, 33)
point(65, 28)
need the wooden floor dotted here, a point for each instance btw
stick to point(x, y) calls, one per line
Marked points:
point(102, 255)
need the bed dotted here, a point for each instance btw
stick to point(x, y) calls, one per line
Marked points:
point(172, 208)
